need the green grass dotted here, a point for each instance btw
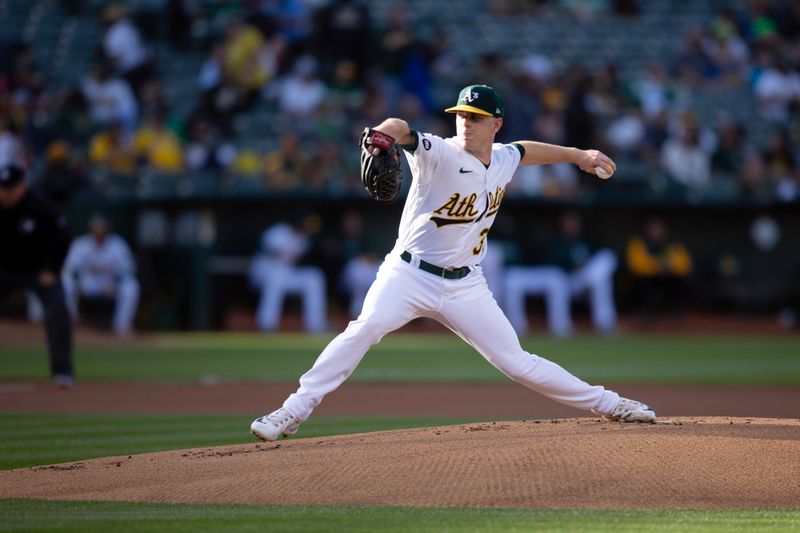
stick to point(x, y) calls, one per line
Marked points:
point(37, 439)
point(37, 515)
point(33, 439)
point(744, 360)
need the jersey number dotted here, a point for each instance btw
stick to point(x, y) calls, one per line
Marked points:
point(477, 249)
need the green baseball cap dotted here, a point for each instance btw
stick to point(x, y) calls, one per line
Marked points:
point(481, 100)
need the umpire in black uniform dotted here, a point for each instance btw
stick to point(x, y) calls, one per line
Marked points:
point(34, 240)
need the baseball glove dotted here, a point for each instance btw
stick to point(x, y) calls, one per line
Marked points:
point(380, 166)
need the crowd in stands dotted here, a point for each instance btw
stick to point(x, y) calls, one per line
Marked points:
point(313, 74)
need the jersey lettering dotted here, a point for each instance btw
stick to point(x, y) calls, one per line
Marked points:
point(477, 249)
point(494, 201)
point(459, 210)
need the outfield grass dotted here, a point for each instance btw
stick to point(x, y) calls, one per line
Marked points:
point(36, 439)
point(751, 360)
point(32, 515)
point(33, 439)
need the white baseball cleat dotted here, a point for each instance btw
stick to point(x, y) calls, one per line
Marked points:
point(275, 424)
point(632, 411)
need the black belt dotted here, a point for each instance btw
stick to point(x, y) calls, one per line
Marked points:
point(447, 273)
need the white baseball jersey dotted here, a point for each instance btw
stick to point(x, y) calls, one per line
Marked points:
point(100, 266)
point(283, 243)
point(103, 270)
point(276, 273)
point(453, 200)
point(447, 215)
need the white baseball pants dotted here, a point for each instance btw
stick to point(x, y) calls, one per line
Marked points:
point(125, 292)
point(558, 287)
point(402, 293)
point(276, 280)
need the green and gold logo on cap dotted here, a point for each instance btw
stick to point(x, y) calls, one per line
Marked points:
point(479, 99)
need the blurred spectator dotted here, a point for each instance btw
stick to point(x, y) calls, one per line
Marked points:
point(755, 181)
point(651, 90)
point(725, 48)
point(572, 266)
point(246, 162)
point(293, 20)
point(342, 41)
point(210, 75)
point(659, 267)
point(626, 132)
point(394, 45)
point(275, 272)
point(100, 265)
point(417, 77)
point(287, 166)
point(157, 147)
point(248, 62)
point(777, 89)
point(579, 125)
point(110, 150)
point(62, 177)
point(685, 160)
point(655, 135)
point(692, 66)
point(183, 16)
point(548, 181)
point(110, 99)
point(206, 150)
point(779, 158)
point(71, 120)
point(12, 151)
point(152, 98)
point(608, 93)
point(330, 171)
point(124, 48)
point(524, 98)
point(728, 158)
point(410, 107)
point(233, 75)
point(781, 166)
point(300, 93)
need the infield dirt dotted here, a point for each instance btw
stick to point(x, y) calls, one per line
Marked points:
point(683, 462)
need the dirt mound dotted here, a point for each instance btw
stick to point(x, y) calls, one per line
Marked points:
point(679, 463)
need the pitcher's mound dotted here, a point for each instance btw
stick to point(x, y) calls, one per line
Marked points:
point(683, 462)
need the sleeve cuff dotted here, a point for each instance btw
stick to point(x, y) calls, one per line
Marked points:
point(413, 146)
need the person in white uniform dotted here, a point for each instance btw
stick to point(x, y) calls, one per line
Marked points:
point(434, 269)
point(573, 267)
point(359, 264)
point(100, 265)
point(276, 273)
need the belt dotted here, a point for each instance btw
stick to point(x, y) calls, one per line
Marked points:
point(447, 273)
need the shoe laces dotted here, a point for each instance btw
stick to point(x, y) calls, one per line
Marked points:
point(626, 406)
point(280, 417)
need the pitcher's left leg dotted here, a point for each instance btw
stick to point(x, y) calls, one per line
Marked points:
point(490, 332)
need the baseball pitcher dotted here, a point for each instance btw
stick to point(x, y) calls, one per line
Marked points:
point(434, 269)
